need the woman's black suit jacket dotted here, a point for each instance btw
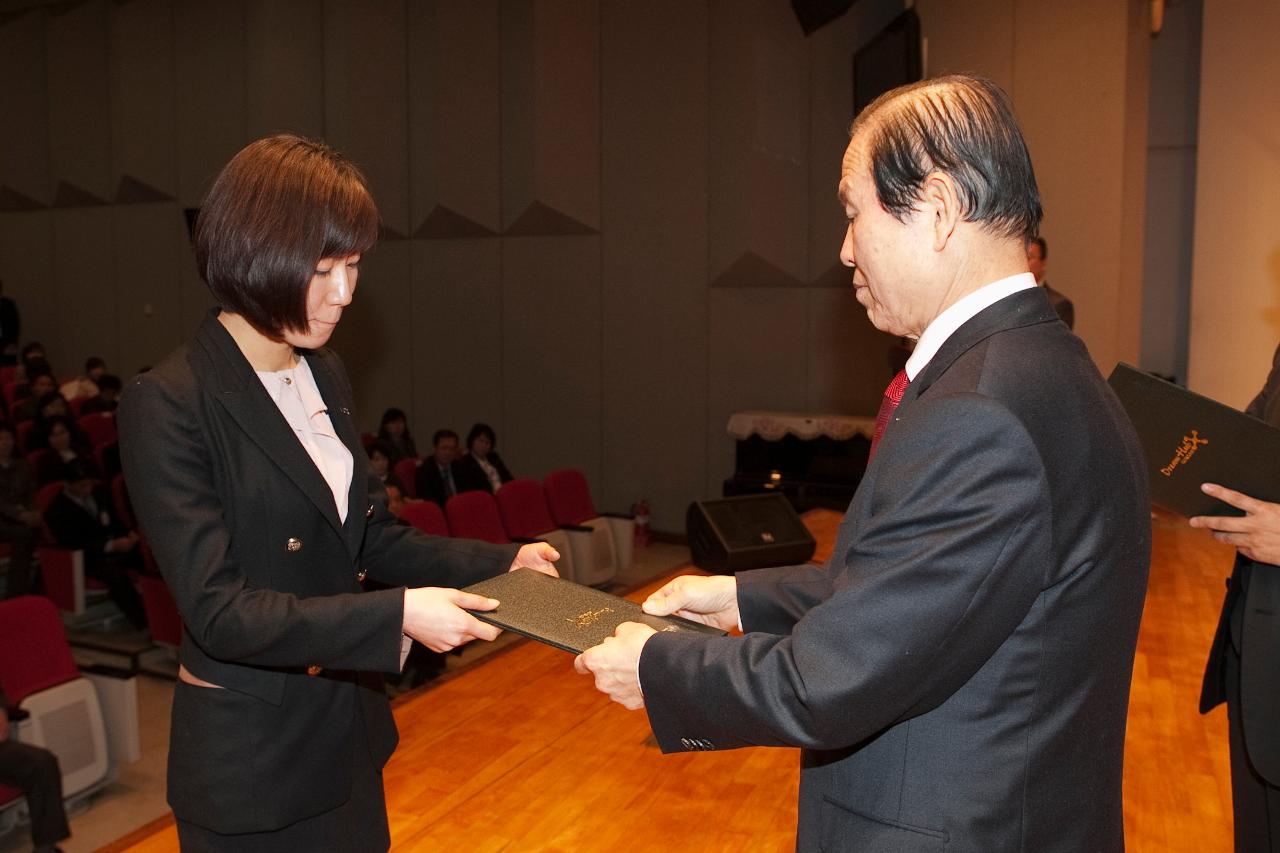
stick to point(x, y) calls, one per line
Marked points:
point(1251, 614)
point(267, 579)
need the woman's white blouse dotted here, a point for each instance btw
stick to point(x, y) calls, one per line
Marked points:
point(296, 395)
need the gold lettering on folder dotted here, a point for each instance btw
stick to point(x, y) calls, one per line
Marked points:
point(584, 620)
point(1190, 444)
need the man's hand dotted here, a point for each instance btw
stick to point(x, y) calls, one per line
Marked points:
point(710, 600)
point(1256, 534)
point(538, 556)
point(434, 616)
point(616, 664)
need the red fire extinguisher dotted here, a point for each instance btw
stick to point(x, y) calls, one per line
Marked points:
point(640, 512)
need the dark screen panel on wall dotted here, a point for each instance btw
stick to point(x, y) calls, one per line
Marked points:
point(889, 60)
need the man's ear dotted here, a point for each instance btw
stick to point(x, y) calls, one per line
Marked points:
point(942, 204)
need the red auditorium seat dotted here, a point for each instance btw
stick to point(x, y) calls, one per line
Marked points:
point(11, 393)
point(120, 500)
point(100, 427)
point(474, 515)
point(522, 505)
point(427, 516)
point(610, 548)
point(36, 652)
point(406, 471)
point(22, 432)
point(40, 676)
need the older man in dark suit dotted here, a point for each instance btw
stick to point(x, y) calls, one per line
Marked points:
point(958, 674)
point(1250, 682)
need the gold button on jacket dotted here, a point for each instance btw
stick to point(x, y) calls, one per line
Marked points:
point(293, 544)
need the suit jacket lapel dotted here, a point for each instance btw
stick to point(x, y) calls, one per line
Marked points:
point(344, 426)
point(1024, 308)
point(240, 392)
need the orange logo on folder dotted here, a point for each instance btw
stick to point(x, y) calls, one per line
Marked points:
point(1190, 444)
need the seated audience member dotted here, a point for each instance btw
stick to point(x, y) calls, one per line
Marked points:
point(19, 522)
point(106, 399)
point(35, 772)
point(395, 500)
point(1038, 263)
point(49, 405)
point(82, 518)
point(481, 467)
point(67, 443)
point(39, 386)
point(380, 462)
point(86, 385)
point(394, 430)
point(437, 475)
point(32, 356)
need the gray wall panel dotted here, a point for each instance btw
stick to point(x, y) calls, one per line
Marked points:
point(143, 96)
point(758, 356)
point(455, 110)
point(551, 355)
point(366, 94)
point(148, 310)
point(654, 299)
point(79, 101)
point(284, 76)
point(457, 335)
point(26, 266)
point(84, 284)
point(209, 53)
point(758, 173)
point(24, 152)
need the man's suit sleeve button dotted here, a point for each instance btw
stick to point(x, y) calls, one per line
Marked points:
point(686, 743)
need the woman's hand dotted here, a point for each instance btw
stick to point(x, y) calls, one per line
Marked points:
point(537, 556)
point(1256, 534)
point(438, 617)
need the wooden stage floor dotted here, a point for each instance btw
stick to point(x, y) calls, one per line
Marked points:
point(518, 753)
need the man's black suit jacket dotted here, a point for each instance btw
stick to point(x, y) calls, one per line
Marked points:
point(74, 527)
point(267, 578)
point(470, 477)
point(430, 485)
point(958, 673)
point(1253, 598)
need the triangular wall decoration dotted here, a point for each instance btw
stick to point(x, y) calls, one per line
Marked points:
point(540, 220)
point(133, 191)
point(386, 232)
point(751, 270)
point(444, 223)
point(837, 275)
point(70, 195)
point(12, 201)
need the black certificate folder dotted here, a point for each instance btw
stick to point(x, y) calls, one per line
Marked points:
point(565, 614)
point(1190, 439)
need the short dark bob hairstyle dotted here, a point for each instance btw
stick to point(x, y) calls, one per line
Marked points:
point(276, 210)
point(485, 430)
point(964, 127)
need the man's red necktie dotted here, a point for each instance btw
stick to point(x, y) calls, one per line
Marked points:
point(892, 397)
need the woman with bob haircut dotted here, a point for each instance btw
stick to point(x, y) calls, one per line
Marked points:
point(481, 468)
point(248, 477)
